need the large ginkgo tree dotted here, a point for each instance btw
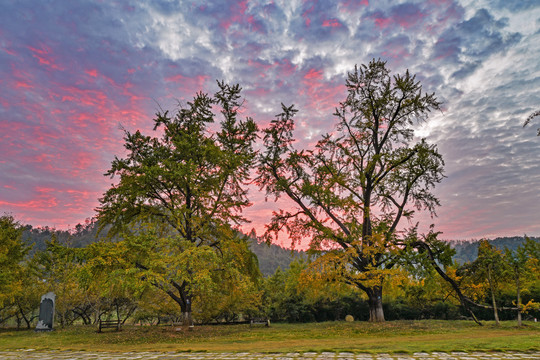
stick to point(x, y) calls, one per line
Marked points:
point(355, 187)
point(180, 192)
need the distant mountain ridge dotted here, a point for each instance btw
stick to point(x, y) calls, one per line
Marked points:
point(271, 257)
point(467, 250)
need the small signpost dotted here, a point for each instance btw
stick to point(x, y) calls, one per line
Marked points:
point(46, 312)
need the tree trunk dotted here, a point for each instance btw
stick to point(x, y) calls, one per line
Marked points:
point(495, 311)
point(130, 312)
point(24, 317)
point(80, 312)
point(376, 313)
point(183, 299)
point(186, 310)
point(518, 290)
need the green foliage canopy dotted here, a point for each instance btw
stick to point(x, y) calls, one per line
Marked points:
point(12, 253)
point(189, 179)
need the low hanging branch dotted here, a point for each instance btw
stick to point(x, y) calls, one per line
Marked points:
point(530, 117)
point(464, 300)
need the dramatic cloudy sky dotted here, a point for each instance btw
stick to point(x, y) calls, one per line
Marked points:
point(73, 72)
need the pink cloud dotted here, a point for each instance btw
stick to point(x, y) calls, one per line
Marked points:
point(80, 198)
point(305, 15)
point(92, 72)
point(242, 7)
point(285, 68)
point(43, 200)
point(383, 22)
point(313, 74)
point(96, 107)
point(185, 84)
point(442, 12)
point(239, 16)
point(352, 5)
point(258, 92)
point(59, 207)
point(45, 57)
point(22, 84)
point(254, 24)
point(332, 23)
point(322, 95)
point(56, 121)
point(8, 127)
point(82, 160)
point(405, 20)
point(10, 52)
point(397, 52)
point(259, 64)
point(20, 76)
point(263, 69)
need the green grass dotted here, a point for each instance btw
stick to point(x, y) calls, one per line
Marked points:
point(392, 336)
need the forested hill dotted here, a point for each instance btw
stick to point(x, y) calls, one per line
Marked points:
point(270, 256)
point(467, 251)
point(78, 237)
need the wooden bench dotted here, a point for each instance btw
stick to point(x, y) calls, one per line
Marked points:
point(262, 321)
point(109, 324)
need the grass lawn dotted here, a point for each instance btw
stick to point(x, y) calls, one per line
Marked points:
point(392, 336)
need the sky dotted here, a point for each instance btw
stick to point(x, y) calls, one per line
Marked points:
point(74, 73)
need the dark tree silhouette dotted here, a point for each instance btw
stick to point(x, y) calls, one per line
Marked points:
point(530, 117)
